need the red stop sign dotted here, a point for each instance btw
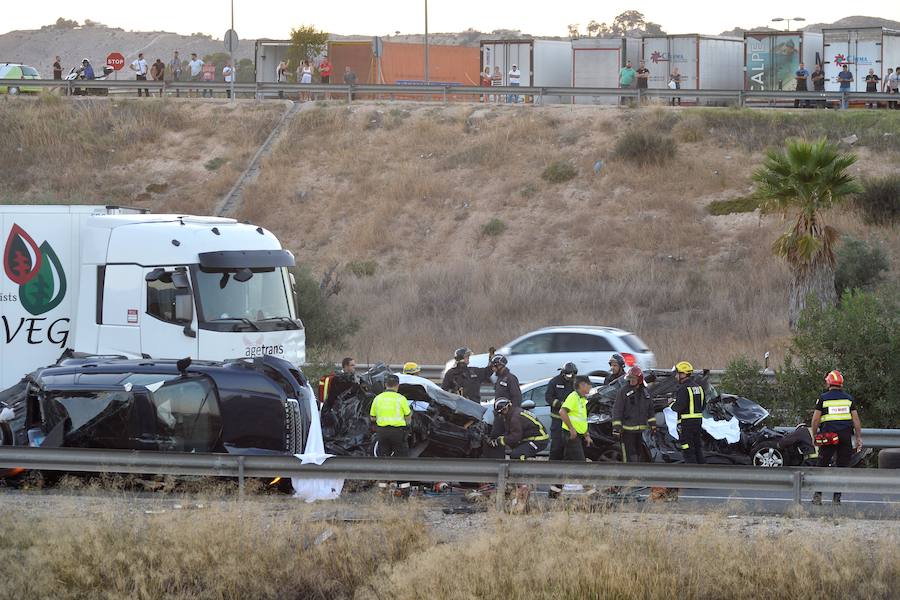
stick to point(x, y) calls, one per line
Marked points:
point(115, 60)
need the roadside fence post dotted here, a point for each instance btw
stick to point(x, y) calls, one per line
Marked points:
point(500, 493)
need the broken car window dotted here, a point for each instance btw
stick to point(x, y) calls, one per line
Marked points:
point(187, 415)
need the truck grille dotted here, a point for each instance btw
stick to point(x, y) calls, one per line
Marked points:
point(293, 427)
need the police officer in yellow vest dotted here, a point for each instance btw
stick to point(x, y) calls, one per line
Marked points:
point(689, 403)
point(836, 412)
point(573, 413)
point(391, 414)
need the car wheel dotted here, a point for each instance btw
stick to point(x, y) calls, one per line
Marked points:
point(768, 454)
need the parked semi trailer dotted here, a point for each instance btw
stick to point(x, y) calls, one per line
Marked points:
point(860, 49)
point(704, 62)
point(543, 63)
point(117, 281)
point(773, 58)
point(596, 63)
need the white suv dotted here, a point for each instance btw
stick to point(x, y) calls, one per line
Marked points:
point(540, 354)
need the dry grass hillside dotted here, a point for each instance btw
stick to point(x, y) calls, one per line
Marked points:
point(445, 225)
point(448, 234)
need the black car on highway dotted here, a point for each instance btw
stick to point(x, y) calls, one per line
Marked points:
point(259, 406)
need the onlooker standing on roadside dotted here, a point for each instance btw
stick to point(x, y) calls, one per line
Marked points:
point(57, 69)
point(325, 69)
point(627, 75)
point(872, 87)
point(818, 81)
point(886, 85)
point(801, 76)
point(304, 76)
point(158, 72)
point(895, 87)
point(496, 81)
point(281, 76)
point(675, 84)
point(140, 69)
point(515, 80)
point(845, 78)
point(175, 70)
point(485, 81)
point(196, 69)
point(228, 76)
point(350, 78)
point(643, 78)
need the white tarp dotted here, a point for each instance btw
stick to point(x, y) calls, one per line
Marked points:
point(729, 430)
point(311, 490)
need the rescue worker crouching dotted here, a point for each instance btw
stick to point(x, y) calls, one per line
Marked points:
point(836, 412)
point(390, 413)
point(633, 414)
point(525, 436)
point(573, 414)
point(465, 380)
point(689, 403)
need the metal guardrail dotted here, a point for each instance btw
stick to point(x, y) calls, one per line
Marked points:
point(501, 472)
point(261, 90)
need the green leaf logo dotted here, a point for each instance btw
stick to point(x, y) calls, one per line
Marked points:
point(47, 288)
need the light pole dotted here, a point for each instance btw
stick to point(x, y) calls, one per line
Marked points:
point(231, 57)
point(426, 43)
point(780, 19)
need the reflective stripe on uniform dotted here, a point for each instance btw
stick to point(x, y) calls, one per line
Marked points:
point(542, 435)
point(837, 410)
point(691, 414)
point(634, 427)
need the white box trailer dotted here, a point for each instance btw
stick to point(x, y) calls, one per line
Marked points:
point(543, 63)
point(773, 58)
point(267, 55)
point(596, 63)
point(118, 281)
point(704, 62)
point(860, 49)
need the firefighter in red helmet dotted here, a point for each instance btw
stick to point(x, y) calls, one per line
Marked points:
point(836, 413)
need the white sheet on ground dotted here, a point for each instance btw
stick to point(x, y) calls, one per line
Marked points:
point(311, 490)
point(729, 430)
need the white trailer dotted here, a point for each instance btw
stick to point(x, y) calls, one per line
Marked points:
point(267, 55)
point(596, 63)
point(543, 63)
point(109, 280)
point(704, 62)
point(860, 49)
point(773, 58)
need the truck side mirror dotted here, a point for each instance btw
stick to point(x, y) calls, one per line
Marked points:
point(155, 274)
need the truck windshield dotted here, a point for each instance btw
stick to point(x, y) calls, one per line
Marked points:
point(259, 303)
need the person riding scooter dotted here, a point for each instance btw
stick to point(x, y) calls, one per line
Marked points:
point(87, 70)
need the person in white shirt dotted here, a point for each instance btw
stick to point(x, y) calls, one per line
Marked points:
point(515, 77)
point(196, 68)
point(228, 75)
point(140, 69)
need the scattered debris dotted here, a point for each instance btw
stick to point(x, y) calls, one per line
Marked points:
point(850, 139)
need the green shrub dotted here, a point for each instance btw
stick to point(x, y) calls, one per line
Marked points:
point(559, 172)
point(213, 164)
point(494, 227)
point(879, 203)
point(859, 265)
point(645, 148)
point(743, 204)
point(861, 338)
point(743, 377)
point(362, 268)
point(328, 324)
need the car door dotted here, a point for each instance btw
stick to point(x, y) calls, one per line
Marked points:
point(589, 352)
point(531, 358)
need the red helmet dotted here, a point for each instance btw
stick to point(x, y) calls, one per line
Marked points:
point(636, 372)
point(834, 378)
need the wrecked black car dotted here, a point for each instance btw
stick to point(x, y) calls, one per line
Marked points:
point(443, 424)
point(260, 406)
point(733, 429)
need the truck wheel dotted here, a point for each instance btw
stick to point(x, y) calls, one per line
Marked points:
point(889, 458)
point(768, 454)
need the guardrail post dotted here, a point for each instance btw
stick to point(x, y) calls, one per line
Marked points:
point(445, 94)
point(798, 487)
point(741, 99)
point(500, 493)
point(350, 94)
point(240, 460)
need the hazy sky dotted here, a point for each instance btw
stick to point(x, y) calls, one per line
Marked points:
point(274, 18)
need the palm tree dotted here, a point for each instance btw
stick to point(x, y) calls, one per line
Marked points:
point(802, 182)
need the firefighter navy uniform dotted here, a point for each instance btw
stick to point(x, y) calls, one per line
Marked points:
point(632, 415)
point(689, 403)
point(525, 436)
point(558, 390)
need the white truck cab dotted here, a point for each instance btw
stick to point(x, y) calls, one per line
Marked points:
point(110, 280)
